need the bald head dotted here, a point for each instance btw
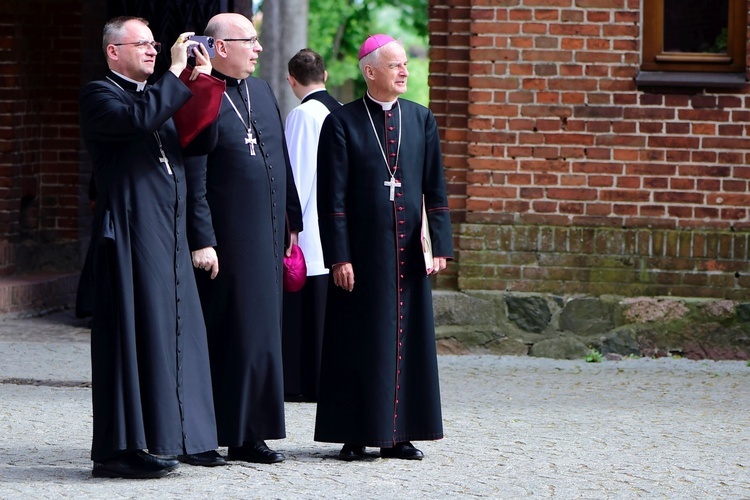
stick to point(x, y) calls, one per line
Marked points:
point(237, 47)
point(221, 24)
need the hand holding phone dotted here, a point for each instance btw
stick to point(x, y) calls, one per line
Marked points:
point(206, 41)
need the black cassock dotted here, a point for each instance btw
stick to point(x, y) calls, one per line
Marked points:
point(246, 201)
point(150, 372)
point(379, 378)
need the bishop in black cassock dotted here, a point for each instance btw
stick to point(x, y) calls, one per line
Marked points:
point(378, 158)
point(241, 193)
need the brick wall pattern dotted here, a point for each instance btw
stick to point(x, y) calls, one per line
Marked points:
point(39, 138)
point(564, 176)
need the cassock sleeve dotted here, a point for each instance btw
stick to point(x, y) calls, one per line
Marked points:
point(333, 174)
point(302, 141)
point(107, 117)
point(433, 188)
point(200, 229)
point(293, 208)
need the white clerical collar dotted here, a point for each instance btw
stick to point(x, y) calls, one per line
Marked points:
point(312, 92)
point(140, 86)
point(385, 105)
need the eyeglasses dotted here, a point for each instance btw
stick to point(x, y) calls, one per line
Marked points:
point(142, 44)
point(252, 40)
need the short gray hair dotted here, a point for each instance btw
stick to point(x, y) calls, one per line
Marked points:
point(115, 28)
point(373, 58)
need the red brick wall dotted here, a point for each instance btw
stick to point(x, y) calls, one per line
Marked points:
point(564, 176)
point(449, 100)
point(39, 139)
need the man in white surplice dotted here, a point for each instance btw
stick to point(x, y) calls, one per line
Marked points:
point(304, 311)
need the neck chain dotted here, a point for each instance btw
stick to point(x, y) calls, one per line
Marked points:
point(392, 183)
point(163, 157)
point(249, 140)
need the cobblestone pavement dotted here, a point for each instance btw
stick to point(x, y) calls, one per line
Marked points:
point(515, 427)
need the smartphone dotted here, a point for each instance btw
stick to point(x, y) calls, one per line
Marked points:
point(206, 41)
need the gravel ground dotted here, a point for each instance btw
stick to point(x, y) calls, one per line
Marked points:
point(514, 427)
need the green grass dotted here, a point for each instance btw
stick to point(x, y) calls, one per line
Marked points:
point(593, 356)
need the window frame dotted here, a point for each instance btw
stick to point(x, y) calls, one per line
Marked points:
point(655, 59)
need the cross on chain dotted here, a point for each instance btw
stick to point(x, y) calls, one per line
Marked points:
point(163, 159)
point(393, 184)
point(251, 141)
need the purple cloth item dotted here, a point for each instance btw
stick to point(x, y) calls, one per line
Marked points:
point(374, 42)
point(295, 270)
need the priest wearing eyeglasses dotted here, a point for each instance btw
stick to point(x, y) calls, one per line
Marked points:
point(379, 163)
point(151, 385)
point(247, 183)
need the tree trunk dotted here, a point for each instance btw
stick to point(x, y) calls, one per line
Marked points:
point(283, 33)
point(244, 7)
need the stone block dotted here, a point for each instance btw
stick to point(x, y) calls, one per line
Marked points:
point(651, 309)
point(507, 347)
point(547, 325)
point(451, 346)
point(455, 308)
point(559, 348)
point(530, 313)
point(587, 316)
point(696, 340)
point(620, 341)
point(471, 336)
point(717, 308)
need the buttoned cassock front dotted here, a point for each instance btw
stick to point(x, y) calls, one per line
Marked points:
point(150, 374)
point(241, 199)
point(379, 380)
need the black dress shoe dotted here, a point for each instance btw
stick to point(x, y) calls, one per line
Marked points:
point(350, 452)
point(256, 452)
point(404, 451)
point(209, 458)
point(135, 465)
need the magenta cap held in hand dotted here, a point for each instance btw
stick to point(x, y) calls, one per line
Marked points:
point(374, 42)
point(295, 270)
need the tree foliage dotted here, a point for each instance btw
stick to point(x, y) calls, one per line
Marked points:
point(337, 27)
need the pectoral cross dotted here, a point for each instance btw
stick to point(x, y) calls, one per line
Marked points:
point(163, 159)
point(251, 141)
point(393, 184)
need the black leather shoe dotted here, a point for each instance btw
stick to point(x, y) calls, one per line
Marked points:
point(256, 452)
point(404, 451)
point(209, 458)
point(135, 465)
point(350, 452)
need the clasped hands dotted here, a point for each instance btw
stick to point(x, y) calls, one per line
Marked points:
point(180, 54)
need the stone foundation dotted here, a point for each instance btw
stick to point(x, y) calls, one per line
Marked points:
point(568, 327)
point(37, 294)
